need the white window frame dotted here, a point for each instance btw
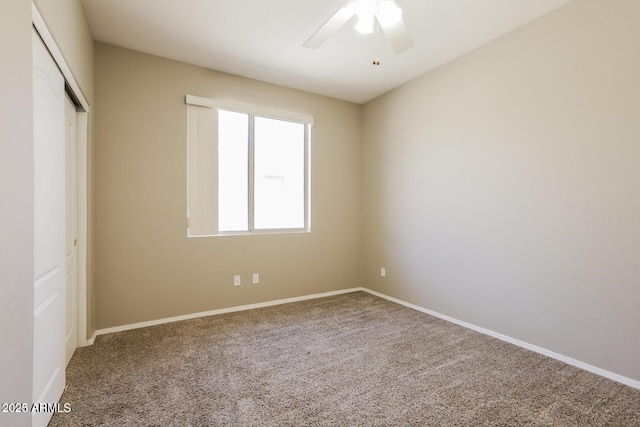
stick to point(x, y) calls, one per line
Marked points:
point(202, 165)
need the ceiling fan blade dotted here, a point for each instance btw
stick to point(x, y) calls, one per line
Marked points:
point(332, 25)
point(398, 35)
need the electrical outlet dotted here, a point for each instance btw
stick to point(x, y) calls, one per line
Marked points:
point(383, 272)
point(236, 280)
point(256, 278)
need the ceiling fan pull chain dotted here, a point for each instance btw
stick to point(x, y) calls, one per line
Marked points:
point(376, 60)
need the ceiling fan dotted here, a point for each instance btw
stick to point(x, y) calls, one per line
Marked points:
point(371, 14)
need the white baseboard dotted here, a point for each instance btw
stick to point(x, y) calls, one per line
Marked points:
point(91, 340)
point(218, 311)
point(593, 369)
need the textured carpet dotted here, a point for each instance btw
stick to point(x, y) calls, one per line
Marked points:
point(348, 360)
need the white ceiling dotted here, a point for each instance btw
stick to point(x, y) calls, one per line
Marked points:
point(262, 39)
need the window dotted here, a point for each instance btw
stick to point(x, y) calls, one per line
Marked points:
point(248, 169)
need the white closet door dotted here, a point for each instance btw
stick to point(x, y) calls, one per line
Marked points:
point(49, 230)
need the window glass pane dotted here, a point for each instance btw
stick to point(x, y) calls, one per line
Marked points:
point(233, 172)
point(278, 174)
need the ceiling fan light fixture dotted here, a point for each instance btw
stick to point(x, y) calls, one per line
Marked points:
point(370, 13)
point(365, 24)
point(389, 13)
point(366, 12)
point(366, 7)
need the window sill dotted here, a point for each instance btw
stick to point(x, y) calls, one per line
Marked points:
point(254, 233)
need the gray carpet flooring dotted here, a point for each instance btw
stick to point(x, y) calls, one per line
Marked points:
point(348, 360)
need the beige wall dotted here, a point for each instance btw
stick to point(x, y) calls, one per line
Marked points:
point(16, 208)
point(145, 266)
point(503, 189)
